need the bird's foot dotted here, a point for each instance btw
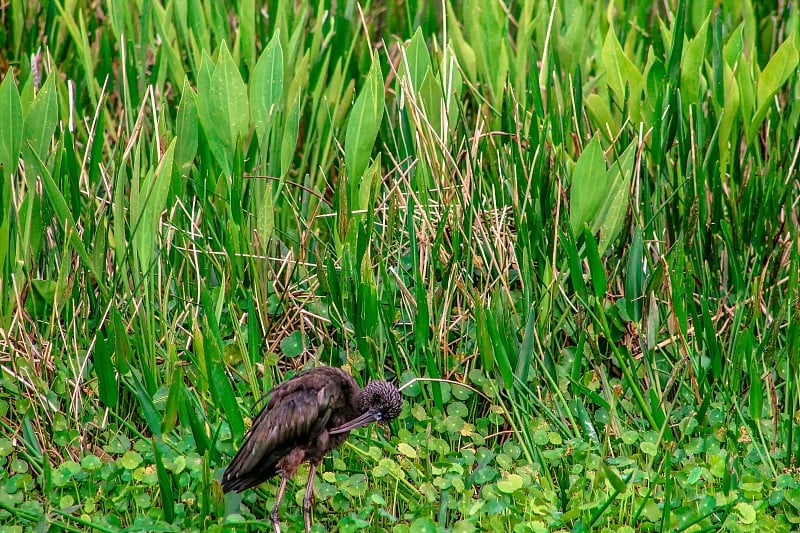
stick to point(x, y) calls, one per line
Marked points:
point(307, 515)
point(276, 522)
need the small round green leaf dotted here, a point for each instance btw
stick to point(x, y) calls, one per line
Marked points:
point(510, 483)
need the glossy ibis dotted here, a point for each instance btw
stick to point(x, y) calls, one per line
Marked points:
point(306, 417)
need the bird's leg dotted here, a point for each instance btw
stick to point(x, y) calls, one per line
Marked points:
point(309, 494)
point(278, 497)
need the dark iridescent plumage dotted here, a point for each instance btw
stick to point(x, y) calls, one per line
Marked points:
point(306, 417)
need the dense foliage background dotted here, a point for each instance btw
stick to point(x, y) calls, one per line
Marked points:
point(580, 218)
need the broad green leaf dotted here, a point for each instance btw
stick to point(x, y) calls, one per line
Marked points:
point(634, 278)
point(692, 80)
point(777, 72)
point(674, 39)
point(655, 79)
point(11, 118)
point(104, 370)
point(363, 126)
point(431, 94)
point(265, 218)
point(732, 51)
point(654, 74)
point(599, 111)
point(496, 44)
point(487, 29)
point(117, 10)
point(174, 399)
point(15, 24)
point(621, 72)
point(163, 20)
point(246, 11)
point(368, 186)
point(616, 482)
point(730, 111)
point(299, 79)
point(589, 186)
point(223, 108)
point(780, 67)
point(572, 47)
point(611, 214)
point(152, 201)
point(186, 130)
point(266, 87)
point(466, 55)
point(747, 93)
point(41, 120)
point(575, 266)
point(200, 33)
point(204, 74)
point(340, 95)
point(289, 142)
point(417, 61)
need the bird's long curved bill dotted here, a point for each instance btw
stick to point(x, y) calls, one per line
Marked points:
point(362, 420)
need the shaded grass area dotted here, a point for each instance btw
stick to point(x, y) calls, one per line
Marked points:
point(580, 221)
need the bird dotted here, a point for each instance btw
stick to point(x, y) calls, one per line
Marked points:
point(306, 417)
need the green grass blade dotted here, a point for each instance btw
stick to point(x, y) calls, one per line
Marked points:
point(164, 483)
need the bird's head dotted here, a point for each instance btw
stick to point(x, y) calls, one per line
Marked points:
point(379, 401)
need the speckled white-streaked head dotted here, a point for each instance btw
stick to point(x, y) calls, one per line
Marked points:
point(379, 401)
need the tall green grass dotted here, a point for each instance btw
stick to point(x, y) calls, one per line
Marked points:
point(585, 212)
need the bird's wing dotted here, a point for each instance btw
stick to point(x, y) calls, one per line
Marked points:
point(296, 414)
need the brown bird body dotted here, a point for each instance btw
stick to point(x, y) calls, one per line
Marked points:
point(305, 418)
